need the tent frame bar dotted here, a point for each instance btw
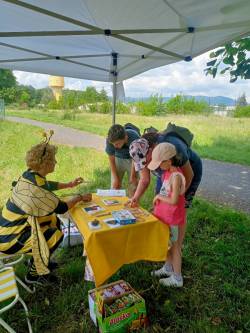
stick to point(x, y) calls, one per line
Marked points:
point(106, 32)
point(148, 54)
point(46, 56)
point(114, 88)
point(109, 32)
point(92, 27)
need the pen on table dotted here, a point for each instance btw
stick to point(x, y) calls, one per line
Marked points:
point(103, 214)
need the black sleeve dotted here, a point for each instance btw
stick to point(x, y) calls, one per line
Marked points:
point(61, 208)
point(51, 186)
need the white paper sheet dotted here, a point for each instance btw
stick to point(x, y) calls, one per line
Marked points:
point(111, 193)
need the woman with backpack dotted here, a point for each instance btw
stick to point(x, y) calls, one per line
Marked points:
point(189, 162)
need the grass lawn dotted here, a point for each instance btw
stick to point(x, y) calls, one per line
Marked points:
point(214, 299)
point(219, 138)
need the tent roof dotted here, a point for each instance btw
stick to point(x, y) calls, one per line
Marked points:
point(92, 39)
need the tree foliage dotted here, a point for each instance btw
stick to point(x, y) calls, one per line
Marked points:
point(242, 111)
point(180, 104)
point(232, 58)
point(7, 79)
point(92, 101)
point(241, 100)
point(153, 106)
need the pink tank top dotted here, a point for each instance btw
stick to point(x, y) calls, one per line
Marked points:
point(171, 214)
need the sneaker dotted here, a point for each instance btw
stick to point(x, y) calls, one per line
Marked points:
point(41, 279)
point(163, 271)
point(171, 282)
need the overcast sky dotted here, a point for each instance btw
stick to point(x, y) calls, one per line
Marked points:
point(184, 77)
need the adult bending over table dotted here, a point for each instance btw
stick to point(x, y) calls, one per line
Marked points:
point(189, 162)
point(28, 222)
point(117, 147)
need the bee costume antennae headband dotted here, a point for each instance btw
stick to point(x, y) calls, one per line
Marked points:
point(47, 137)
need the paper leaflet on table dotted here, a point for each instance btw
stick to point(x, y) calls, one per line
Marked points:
point(111, 193)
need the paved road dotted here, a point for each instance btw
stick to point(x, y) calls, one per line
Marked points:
point(226, 184)
point(66, 135)
point(222, 183)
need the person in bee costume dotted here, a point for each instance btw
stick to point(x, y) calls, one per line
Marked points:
point(28, 222)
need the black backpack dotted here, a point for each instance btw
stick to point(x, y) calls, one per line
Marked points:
point(150, 129)
point(182, 132)
point(132, 127)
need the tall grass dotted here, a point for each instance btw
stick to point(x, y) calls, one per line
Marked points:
point(215, 137)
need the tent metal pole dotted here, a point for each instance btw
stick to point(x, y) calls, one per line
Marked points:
point(114, 73)
point(114, 100)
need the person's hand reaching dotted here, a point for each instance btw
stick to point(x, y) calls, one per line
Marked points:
point(132, 202)
point(76, 182)
point(86, 197)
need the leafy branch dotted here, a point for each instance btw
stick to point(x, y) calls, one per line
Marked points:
point(232, 58)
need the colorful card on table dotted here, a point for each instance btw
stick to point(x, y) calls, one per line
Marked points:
point(112, 223)
point(110, 202)
point(93, 209)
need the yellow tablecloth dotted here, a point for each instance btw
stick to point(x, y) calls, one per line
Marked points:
point(110, 248)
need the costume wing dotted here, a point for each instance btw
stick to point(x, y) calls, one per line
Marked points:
point(33, 200)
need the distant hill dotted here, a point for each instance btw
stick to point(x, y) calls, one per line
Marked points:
point(217, 100)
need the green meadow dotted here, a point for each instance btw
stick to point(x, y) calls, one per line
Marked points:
point(215, 297)
point(219, 138)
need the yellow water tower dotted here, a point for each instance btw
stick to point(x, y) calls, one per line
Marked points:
point(56, 83)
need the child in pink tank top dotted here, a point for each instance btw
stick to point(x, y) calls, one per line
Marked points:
point(169, 207)
point(171, 214)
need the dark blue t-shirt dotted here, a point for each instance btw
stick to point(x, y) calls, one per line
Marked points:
point(124, 151)
point(183, 151)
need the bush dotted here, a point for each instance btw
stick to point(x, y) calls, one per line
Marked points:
point(242, 111)
point(154, 106)
point(54, 105)
point(68, 115)
point(184, 105)
point(92, 108)
point(104, 107)
point(122, 108)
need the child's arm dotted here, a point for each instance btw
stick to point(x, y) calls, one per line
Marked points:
point(176, 188)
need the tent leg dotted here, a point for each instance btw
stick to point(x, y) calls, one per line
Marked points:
point(114, 73)
point(114, 101)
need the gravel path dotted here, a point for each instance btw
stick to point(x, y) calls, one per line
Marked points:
point(222, 183)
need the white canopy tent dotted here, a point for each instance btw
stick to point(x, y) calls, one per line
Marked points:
point(113, 40)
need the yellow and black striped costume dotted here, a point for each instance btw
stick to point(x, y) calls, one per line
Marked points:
point(15, 231)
